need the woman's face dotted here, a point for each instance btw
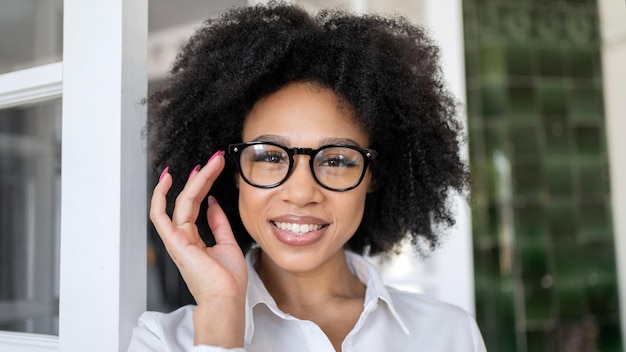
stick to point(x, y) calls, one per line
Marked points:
point(309, 116)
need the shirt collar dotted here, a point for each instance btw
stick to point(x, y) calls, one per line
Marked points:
point(376, 290)
point(364, 270)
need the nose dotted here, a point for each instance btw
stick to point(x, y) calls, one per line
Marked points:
point(301, 188)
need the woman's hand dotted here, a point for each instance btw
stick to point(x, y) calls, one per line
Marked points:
point(216, 276)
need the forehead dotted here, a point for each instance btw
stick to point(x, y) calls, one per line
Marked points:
point(304, 114)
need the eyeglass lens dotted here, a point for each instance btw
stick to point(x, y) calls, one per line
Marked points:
point(333, 167)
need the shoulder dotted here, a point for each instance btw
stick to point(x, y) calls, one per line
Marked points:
point(424, 305)
point(444, 326)
point(175, 318)
point(165, 329)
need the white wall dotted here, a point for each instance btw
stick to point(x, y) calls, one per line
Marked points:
point(613, 28)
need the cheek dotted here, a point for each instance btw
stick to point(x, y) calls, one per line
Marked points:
point(251, 207)
point(352, 208)
point(246, 200)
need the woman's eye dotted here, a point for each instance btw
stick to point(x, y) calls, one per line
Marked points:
point(268, 158)
point(338, 161)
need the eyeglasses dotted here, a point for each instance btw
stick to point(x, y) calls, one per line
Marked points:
point(334, 167)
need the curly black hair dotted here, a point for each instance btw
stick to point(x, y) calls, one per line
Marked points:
point(385, 68)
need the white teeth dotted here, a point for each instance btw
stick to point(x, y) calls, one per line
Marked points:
point(297, 229)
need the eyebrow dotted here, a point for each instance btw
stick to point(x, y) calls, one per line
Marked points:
point(342, 141)
point(285, 140)
point(271, 138)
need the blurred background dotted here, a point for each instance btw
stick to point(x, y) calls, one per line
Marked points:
point(539, 256)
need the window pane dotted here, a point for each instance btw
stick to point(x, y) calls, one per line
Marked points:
point(30, 201)
point(31, 33)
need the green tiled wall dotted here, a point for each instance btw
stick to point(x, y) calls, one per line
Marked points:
point(543, 241)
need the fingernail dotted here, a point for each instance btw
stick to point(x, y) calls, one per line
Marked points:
point(212, 200)
point(217, 153)
point(164, 173)
point(194, 171)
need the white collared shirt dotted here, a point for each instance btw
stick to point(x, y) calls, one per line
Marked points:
point(391, 320)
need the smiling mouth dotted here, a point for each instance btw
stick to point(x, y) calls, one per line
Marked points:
point(297, 229)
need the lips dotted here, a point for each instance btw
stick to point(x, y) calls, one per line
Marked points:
point(297, 230)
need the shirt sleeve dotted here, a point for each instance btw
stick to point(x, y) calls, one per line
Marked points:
point(146, 336)
point(154, 335)
point(479, 343)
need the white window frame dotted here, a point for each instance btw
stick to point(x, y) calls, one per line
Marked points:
point(102, 80)
point(18, 88)
point(31, 85)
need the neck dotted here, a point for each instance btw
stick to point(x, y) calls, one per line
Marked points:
point(295, 291)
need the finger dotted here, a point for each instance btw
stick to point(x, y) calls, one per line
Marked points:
point(158, 203)
point(188, 201)
point(193, 172)
point(218, 222)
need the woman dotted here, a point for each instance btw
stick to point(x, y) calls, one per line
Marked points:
point(341, 139)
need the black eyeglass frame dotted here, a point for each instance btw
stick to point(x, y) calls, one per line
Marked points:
point(368, 155)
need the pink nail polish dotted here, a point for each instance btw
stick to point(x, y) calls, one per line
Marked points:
point(164, 173)
point(212, 200)
point(218, 153)
point(194, 171)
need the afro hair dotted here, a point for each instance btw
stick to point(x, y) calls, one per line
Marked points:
point(385, 68)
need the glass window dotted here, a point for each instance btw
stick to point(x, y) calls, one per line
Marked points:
point(30, 201)
point(31, 33)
